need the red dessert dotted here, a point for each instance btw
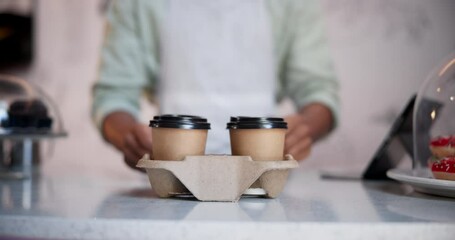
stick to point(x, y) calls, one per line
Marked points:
point(443, 146)
point(444, 169)
point(432, 160)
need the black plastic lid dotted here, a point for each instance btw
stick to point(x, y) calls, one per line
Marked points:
point(175, 117)
point(256, 123)
point(179, 121)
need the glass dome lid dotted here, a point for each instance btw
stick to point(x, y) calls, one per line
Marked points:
point(26, 111)
point(434, 116)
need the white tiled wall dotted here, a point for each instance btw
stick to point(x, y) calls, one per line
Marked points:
point(383, 50)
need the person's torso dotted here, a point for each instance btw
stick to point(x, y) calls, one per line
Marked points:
point(217, 60)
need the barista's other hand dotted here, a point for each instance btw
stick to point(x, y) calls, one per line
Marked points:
point(133, 139)
point(136, 143)
point(298, 139)
point(311, 123)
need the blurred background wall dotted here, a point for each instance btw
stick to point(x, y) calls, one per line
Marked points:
point(382, 49)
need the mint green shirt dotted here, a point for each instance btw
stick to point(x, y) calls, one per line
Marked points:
point(130, 57)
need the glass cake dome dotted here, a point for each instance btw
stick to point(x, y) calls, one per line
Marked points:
point(434, 114)
point(27, 118)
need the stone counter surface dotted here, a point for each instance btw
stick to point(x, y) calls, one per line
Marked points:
point(99, 205)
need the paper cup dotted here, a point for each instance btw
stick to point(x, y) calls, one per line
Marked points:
point(175, 137)
point(260, 138)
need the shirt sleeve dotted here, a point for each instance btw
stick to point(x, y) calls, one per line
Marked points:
point(309, 76)
point(126, 64)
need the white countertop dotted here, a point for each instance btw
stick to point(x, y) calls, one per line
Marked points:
point(99, 205)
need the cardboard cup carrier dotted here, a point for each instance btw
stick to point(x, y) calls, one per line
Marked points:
point(180, 166)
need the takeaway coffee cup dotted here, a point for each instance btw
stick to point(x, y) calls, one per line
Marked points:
point(177, 136)
point(260, 138)
point(174, 137)
point(263, 140)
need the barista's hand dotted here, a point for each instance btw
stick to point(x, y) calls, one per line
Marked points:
point(298, 140)
point(133, 139)
point(136, 142)
point(311, 123)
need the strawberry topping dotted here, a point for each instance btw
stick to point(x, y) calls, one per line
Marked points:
point(445, 165)
point(445, 141)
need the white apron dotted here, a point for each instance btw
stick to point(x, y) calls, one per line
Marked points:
point(217, 61)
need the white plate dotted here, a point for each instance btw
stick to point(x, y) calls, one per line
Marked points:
point(423, 181)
